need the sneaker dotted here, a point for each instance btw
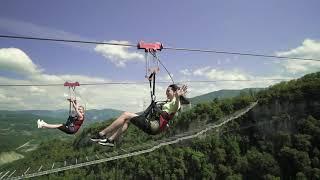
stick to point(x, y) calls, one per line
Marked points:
point(42, 123)
point(98, 138)
point(107, 143)
point(39, 123)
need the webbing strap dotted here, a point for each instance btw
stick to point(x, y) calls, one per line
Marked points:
point(152, 77)
point(70, 105)
point(154, 86)
point(152, 108)
point(73, 88)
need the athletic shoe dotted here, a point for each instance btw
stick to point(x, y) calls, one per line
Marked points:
point(107, 143)
point(38, 123)
point(98, 138)
point(42, 123)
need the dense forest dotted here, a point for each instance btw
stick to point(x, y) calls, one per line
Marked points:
point(278, 139)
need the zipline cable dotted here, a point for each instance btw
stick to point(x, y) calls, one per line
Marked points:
point(242, 54)
point(141, 82)
point(66, 40)
point(168, 48)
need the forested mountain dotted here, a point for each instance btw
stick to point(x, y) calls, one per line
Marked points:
point(19, 132)
point(19, 127)
point(279, 138)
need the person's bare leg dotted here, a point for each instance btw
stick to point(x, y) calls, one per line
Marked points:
point(118, 123)
point(51, 126)
point(119, 132)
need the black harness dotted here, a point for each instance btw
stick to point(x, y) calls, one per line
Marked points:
point(155, 108)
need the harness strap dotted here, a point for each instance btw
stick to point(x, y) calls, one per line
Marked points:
point(154, 86)
point(73, 88)
point(70, 104)
point(164, 119)
point(152, 83)
point(151, 110)
point(70, 121)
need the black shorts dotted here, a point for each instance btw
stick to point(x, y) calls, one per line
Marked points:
point(68, 129)
point(147, 126)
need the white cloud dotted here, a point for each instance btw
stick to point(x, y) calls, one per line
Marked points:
point(36, 90)
point(9, 100)
point(165, 77)
point(47, 78)
point(4, 98)
point(119, 55)
point(216, 74)
point(185, 72)
point(309, 49)
point(201, 71)
point(196, 89)
point(243, 80)
point(209, 73)
point(130, 98)
point(15, 60)
point(124, 97)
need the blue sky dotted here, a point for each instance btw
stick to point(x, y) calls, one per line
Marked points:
point(265, 27)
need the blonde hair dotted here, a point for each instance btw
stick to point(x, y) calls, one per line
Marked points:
point(82, 107)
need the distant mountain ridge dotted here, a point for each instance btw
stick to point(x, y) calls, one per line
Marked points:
point(222, 94)
point(92, 115)
point(13, 123)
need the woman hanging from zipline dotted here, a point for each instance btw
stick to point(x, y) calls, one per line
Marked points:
point(73, 123)
point(155, 125)
point(74, 120)
point(154, 119)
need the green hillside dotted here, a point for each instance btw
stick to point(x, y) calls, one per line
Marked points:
point(19, 133)
point(20, 128)
point(278, 139)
